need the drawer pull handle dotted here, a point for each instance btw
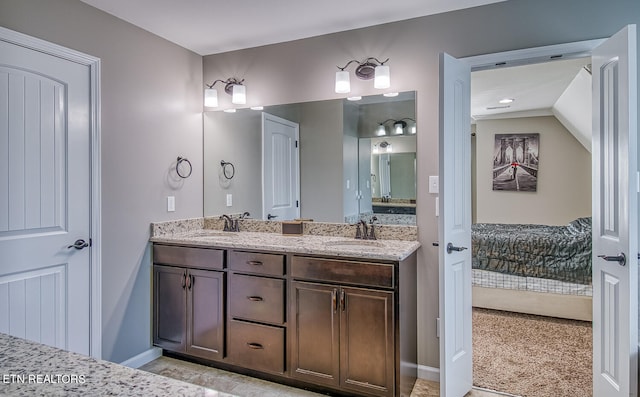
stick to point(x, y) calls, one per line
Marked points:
point(254, 263)
point(256, 346)
point(255, 298)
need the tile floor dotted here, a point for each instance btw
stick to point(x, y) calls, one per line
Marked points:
point(232, 384)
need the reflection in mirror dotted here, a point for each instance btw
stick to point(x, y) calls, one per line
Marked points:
point(339, 169)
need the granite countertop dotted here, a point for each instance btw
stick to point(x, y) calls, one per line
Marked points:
point(384, 204)
point(395, 250)
point(31, 369)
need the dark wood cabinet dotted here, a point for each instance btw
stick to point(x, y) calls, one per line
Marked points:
point(188, 303)
point(205, 313)
point(170, 307)
point(343, 336)
point(337, 325)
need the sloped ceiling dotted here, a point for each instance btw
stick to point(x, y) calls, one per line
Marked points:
point(559, 88)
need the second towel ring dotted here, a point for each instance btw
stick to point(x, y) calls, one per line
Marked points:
point(225, 166)
point(183, 172)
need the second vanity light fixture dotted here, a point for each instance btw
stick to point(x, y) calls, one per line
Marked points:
point(370, 68)
point(233, 87)
point(399, 127)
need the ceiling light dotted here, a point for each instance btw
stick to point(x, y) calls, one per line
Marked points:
point(354, 98)
point(370, 68)
point(233, 87)
point(390, 94)
point(506, 100)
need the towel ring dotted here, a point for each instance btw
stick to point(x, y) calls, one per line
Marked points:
point(183, 172)
point(225, 165)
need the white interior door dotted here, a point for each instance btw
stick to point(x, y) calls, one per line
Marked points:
point(456, 377)
point(615, 206)
point(44, 197)
point(280, 169)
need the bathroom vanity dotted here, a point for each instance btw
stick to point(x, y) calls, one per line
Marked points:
point(331, 314)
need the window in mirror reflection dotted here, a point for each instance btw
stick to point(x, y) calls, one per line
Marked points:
point(347, 171)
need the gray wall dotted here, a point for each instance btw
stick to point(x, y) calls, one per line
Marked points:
point(304, 70)
point(151, 114)
point(564, 175)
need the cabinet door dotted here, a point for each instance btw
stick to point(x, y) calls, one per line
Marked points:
point(315, 333)
point(367, 360)
point(169, 303)
point(205, 313)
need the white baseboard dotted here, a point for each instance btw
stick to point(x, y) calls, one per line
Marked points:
point(143, 358)
point(429, 373)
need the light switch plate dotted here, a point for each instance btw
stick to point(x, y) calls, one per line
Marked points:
point(229, 200)
point(171, 203)
point(434, 184)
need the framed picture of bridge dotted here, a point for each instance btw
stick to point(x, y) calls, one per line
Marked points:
point(515, 162)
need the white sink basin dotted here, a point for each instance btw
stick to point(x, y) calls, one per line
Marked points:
point(212, 234)
point(354, 243)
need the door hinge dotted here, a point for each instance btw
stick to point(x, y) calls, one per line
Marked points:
point(296, 143)
point(297, 203)
point(90, 242)
point(438, 327)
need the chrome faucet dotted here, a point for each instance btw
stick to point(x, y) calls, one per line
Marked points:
point(229, 224)
point(365, 230)
point(372, 232)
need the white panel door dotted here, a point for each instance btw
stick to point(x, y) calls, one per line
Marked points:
point(44, 197)
point(615, 206)
point(454, 231)
point(280, 169)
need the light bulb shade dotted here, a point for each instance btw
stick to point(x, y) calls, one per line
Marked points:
point(389, 148)
point(398, 128)
point(343, 85)
point(381, 130)
point(412, 128)
point(239, 96)
point(210, 97)
point(382, 77)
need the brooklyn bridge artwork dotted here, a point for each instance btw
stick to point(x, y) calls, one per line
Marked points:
point(515, 162)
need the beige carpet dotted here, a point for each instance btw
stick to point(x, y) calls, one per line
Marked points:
point(531, 356)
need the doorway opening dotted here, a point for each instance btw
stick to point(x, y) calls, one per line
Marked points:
point(531, 228)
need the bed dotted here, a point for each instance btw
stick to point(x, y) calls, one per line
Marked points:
point(536, 269)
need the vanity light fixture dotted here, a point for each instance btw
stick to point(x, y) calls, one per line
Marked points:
point(233, 87)
point(386, 146)
point(399, 127)
point(370, 68)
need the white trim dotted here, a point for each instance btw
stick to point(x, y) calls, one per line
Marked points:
point(523, 57)
point(429, 373)
point(10, 36)
point(143, 358)
point(579, 49)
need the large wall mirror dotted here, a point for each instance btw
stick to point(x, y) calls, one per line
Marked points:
point(352, 160)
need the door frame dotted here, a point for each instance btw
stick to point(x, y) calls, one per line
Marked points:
point(522, 57)
point(93, 63)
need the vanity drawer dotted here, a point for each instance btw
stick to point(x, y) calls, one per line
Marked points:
point(256, 298)
point(202, 258)
point(342, 271)
point(256, 346)
point(255, 262)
